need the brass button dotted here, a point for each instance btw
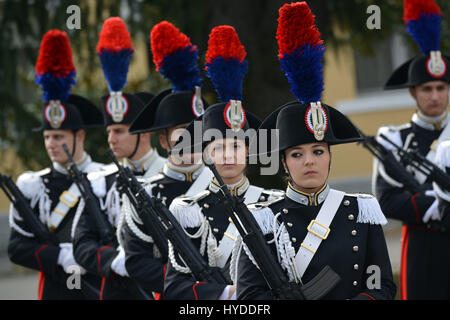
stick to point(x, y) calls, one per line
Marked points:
point(211, 218)
point(285, 210)
point(161, 186)
point(351, 217)
point(294, 239)
point(346, 203)
point(354, 232)
point(356, 267)
point(355, 283)
point(355, 248)
point(216, 230)
point(289, 224)
point(262, 198)
point(206, 206)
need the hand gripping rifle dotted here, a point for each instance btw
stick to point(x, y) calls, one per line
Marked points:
point(155, 215)
point(423, 165)
point(106, 230)
point(387, 158)
point(31, 219)
point(271, 269)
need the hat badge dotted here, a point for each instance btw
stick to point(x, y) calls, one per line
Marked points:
point(436, 66)
point(316, 120)
point(55, 113)
point(197, 104)
point(234, 115)
point(117, 106)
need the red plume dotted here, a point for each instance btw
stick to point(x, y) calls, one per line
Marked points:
point(296, 28)
point(55, 55)
point(165, 39)
point(114, 36)
point(224, 42)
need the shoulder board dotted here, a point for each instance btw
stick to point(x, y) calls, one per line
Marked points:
point(393, 133)
point(273, 193)
point(103, 171)
point(359, 195)
point(394, 128)
point(369, 210)
point(30, 182)
point(153, 179)
point(94, 166)
point(264, 204)
point(187, 211)
point(190, 200)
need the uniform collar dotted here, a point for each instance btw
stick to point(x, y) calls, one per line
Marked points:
point(143, 164)
point(430, 123)
point(82, 164)
point(307, 199)
point(236, 189)
point(188, 174)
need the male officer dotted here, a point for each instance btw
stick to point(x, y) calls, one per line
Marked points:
point(424, 256)
point(53, 196)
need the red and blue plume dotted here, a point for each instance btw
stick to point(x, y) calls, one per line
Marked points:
point(55, 71)
point(175, 57)
point(423, 23)
point(225, 64)
point(300, 51)
point(115, 50)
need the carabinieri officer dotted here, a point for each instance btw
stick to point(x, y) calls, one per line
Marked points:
point(312, 225)
point(202, 215)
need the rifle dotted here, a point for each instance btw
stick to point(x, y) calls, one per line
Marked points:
point(391, 164)
point(161, 222)
point(40, 231)
point(423, 165)
point(270, 268)
point(105, 229)
point(31, 220)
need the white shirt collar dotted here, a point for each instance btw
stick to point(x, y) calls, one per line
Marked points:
point(142, 164)
point(189, 173)
point(430, 123)
point(82, 164)
point(236, 189)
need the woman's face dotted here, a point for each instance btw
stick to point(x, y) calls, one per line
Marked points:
point(229, 157)
point(308, 165)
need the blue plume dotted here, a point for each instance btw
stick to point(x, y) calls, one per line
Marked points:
point(303, 69)
point(55, 88)
point(181, 69)
point(227, 77)
point(115, 67)
point(426, 31)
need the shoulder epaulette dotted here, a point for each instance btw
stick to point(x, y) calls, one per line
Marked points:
point(103, 171)
point(369, 210)
point(275, 197)
point(30, 182)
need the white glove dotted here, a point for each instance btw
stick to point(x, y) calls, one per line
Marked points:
point(118, 264)
point(433, 211)
point(226, 293)
point(67, 261)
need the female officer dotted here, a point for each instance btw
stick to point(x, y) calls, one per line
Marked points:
point(203, 215)
point(312, 225)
